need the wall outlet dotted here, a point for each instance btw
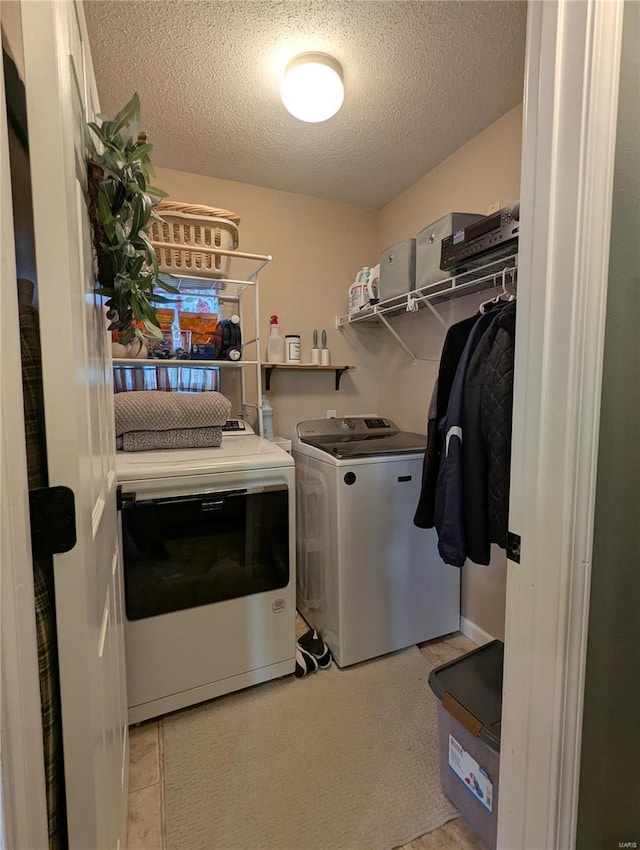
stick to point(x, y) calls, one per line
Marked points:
point(331, 414)
point(493, 208)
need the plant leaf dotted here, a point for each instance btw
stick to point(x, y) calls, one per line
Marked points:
point(105, 215)
point(168, 287)
point(130, 112)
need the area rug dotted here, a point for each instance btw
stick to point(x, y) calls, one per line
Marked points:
point(339, 760)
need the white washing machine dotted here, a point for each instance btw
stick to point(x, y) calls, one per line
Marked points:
point(368, 579)
point(208, 542)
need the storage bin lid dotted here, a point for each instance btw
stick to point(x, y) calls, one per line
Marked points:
point(470, 689)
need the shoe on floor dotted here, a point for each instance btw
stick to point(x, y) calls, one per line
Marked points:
point(313, 644)
point(305, 662)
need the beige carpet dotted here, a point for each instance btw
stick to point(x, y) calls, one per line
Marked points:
point(340, 760)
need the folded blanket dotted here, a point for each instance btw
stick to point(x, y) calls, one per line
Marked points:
point(154, 410)
point(183, 438)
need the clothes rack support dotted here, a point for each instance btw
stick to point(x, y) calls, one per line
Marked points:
point(398, 338)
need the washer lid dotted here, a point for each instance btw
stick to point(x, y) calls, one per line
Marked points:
point(359, 436)
point(237, 453)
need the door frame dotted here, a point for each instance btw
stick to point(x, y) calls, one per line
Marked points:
point(23, 805)
point(571, 100)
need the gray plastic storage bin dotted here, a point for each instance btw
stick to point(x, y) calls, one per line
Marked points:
point(469, 716)
point(398, 269)
point(429, 243)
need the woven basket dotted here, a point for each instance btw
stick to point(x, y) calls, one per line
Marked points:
point(185, 228)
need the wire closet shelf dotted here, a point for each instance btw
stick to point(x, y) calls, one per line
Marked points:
point(485, 277)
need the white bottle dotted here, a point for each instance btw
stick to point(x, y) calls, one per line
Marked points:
point(275, 343)
point(267, 419)
point(358, 291)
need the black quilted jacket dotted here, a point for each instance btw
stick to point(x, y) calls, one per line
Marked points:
point(487, 411)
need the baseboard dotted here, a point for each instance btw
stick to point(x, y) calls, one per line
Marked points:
point(473, 632)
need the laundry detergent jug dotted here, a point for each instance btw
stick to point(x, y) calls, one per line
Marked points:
point(362, 293)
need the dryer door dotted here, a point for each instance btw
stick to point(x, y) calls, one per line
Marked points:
point(191, 550)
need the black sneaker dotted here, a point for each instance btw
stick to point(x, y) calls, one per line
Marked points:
point(312, 643)
point(305, 662)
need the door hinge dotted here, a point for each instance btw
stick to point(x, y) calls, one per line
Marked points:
point(53, 520)
point(513, 546)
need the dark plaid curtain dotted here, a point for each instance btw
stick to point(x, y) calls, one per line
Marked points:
point(42, 569)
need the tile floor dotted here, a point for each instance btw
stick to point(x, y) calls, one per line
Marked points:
point(146, 827)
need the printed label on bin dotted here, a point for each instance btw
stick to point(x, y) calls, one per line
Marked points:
point(468, 771)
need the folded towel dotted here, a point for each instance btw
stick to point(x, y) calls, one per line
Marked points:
point(154, 410)
point(182, 438)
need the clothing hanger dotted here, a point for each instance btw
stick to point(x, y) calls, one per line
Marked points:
point(501, 294)
point(492, 301)
point(514, 294)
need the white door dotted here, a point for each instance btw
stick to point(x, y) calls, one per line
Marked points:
point(23, 809)
point(61, 97)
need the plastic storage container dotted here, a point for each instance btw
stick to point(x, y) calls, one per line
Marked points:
point(429, 244)
point(469, 716)
point(292, 348)
point(397, 270)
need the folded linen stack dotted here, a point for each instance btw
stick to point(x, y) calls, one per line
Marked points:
point(151, 419)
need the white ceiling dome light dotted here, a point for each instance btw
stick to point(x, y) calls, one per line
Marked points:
point(312, 88)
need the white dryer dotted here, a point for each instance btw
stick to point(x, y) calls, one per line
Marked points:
point(368, 579)
point(209, 570)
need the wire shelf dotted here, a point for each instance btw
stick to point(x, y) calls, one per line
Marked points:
point(466, 283)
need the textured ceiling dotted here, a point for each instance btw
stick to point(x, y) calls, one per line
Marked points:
point(421, 79)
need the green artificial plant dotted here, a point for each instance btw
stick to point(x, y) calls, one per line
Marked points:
point(121, 202)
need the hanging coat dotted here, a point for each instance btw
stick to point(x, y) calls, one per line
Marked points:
point(454, 344)
point(448, 512)
point(487, 414)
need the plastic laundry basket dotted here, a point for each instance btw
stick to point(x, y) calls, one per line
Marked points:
point(469, 719)
point(186, 238)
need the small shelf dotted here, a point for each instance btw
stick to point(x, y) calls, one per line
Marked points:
point(192, 364)
point(310, 367)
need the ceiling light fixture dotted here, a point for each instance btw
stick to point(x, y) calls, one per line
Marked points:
point(312, 88)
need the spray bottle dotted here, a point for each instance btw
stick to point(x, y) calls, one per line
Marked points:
point(275, 343)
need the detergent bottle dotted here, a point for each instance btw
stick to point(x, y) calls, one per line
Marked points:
point(373, 285)
point(358, 291)
point(267, 419)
